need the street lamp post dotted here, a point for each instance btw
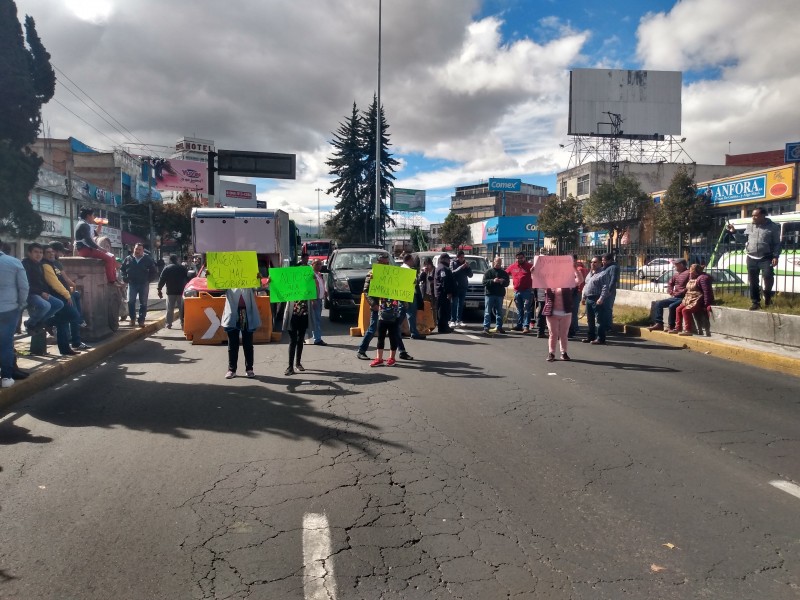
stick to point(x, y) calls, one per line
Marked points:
point(319, 228)
point(378, 204)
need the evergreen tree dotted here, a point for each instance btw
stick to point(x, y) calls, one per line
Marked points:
point(683, 211)
point(455, 231)
point(387, 165)
point(28, 81)
point(350, 222)
point(616, 206)
point(561, 219)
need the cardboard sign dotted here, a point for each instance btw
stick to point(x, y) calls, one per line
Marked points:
point(553, 272)
point(292, 283)
point(229, 270)
point(394, 283)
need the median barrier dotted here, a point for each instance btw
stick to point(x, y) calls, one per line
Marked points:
point(201, 320)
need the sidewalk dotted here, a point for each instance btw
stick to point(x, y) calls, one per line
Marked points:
point(48, 370)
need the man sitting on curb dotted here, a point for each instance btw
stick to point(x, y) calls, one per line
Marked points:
point(676, 288)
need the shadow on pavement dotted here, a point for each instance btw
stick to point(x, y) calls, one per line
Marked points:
point(626, 366)
point(11, 433)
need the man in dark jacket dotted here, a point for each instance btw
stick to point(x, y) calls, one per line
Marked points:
point(461, 274)
point(175, 277)
point(495, 282)
point(444, 287)
point(137, 271)
point(42, 304)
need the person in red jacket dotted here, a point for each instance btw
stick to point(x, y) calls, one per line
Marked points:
point(520, 273)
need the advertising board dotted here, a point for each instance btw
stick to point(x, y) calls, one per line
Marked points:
point(648, 102)
point(179, 175)
point(405, 200)
point(236, 194)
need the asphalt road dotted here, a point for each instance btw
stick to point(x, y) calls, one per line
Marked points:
point(476, 471)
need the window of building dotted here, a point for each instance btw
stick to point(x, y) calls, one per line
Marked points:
point(583, 185)
point(563, 193)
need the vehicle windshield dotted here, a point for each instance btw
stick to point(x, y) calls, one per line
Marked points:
point(360, 261)
point(317, 248)
point(478, 264)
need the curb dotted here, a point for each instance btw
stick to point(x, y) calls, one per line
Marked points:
point(731, 352)
point(57, 372)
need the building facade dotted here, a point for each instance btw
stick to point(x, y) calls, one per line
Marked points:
point(476, 202)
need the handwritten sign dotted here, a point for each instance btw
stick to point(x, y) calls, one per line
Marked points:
point(395, 283)
point(553, 272)
point(292, 283)
point(232, 270)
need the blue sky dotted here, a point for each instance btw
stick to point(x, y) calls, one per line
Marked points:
point(472, 89)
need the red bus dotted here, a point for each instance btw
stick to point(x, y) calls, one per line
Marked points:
point(320, 249)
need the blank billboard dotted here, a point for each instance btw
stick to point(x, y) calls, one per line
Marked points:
point(649, 102)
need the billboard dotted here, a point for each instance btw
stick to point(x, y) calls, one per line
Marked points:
point(505, 185)
point(233, 193)
point(648, 102)
point(404, 200)
point(179, 175)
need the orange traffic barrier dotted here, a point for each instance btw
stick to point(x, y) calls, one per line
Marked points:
point(425, 324)
point(364, 316)
point(201, 320)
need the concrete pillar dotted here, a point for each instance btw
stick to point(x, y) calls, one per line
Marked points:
point(99, 300)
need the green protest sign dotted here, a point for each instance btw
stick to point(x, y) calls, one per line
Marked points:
point(395, 283)
point(292, 283)
point(232, 270)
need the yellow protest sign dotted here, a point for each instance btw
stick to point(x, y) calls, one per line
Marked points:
point(232, 270)
point(292, 283)
point(395, 283)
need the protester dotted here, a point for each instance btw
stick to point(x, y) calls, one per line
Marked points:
point(42, 304)
point(461, 274)
point(594, 297)
point(295, 323)
point(412, 307)
point(443, 287)
point(495, 282)
point(558, 312)
point(14, 289)
point(383, 259)
point(426, 286)
point(576, 295)
point(520, 273)
point(388, 324)
point(67, 320)
point(175, 277)
point(763, 247)
point(86, 246)
point(613, 283)
point(303, 260)
point(138, 271)
point(60, 250)
point(541, 321)
point(676, 288)
point(240, 317)
point(699, 297)
point(315, 311)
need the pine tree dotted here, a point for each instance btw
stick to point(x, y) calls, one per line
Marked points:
point(348, 162)
point(387, 164)
point(28, 81)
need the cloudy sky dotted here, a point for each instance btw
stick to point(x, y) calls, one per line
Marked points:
point(472, 89)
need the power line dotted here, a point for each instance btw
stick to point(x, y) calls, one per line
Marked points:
point(87, 122)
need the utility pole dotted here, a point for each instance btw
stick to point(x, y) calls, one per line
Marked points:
point(319, 228)
point(69, 200)
point(378, 203)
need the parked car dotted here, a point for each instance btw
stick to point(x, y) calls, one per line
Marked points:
point(657, 266)
point(721, 279)
point(346, 271)
point(476, 298)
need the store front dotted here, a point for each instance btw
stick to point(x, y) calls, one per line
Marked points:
point(508, 235)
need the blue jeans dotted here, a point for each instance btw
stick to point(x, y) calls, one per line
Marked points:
point(316, 320)
point(411, 313)
point(459, 299)
point(672, 304)
point(522, 300)
point(39, 309)
point(142, 290)
point(597, 319)
point(67, 323)
point(493, 303)
point(8, 325)
point(370, 333)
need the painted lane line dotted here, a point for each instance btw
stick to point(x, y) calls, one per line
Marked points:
point(786, 486)
point(318, 580)
point(473, 337)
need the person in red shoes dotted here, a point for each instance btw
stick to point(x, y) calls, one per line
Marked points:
point(388, 324)
point(86, 246)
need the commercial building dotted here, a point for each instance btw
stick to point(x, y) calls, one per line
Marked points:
point(476, 202)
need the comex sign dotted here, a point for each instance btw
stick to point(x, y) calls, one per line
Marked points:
point(505, 185)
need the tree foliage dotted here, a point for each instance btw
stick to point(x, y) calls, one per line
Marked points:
point(27, 82)
point(682, 211)
point(353, 164)
point(561, 219)
point(616, 206)
point(175, 220)
point(455, 231)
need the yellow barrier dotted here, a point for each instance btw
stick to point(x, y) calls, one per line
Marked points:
point(201, 320)
point(364, 316)
point(425, 324)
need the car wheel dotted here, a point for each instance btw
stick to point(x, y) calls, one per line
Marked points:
point(642, 275)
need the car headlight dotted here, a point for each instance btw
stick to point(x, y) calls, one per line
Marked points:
point(341, 285)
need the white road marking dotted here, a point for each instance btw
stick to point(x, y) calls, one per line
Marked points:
point(212, 330)
point(318, 580)
point(473, 337)
point(786, 486)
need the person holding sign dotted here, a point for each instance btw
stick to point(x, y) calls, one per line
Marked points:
point(240, 317)
point(388, 323)
point(558, 312)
